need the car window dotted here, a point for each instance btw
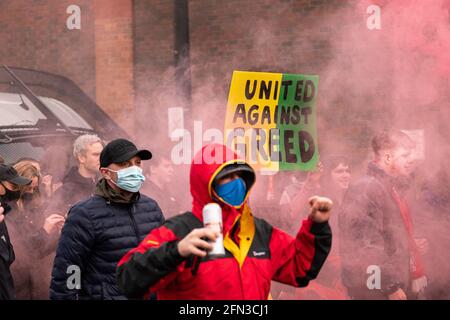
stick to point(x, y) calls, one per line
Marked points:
point(65, 113)
point(17, 109)
point(70, 105)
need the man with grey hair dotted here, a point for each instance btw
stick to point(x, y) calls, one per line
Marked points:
point(79, 183)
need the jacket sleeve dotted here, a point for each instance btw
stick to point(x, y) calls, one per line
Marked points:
point(296, 261)
point(43, 243)
point(6, 283)
point(75, 244)
point(6, 258)
point(150, 266)
point(58, 203)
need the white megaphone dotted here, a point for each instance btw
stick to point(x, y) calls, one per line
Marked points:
point(212, 218)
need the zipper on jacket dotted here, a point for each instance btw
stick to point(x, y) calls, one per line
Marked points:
point(133, 222)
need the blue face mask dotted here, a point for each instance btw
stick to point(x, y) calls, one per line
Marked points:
point(130, 179)
point(232, 192)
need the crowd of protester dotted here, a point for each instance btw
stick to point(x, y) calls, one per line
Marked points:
point(117, 199)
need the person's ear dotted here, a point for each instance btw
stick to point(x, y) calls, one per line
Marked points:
point(105, 173)
point(81, 158)
point(387, 158)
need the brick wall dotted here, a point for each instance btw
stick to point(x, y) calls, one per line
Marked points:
point(114, 59)
point(34, 35)
point(153, 66)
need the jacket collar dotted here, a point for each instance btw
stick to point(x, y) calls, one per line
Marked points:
point(401, 183)
point(73, 176)
point(375, 171)
point(105, 191)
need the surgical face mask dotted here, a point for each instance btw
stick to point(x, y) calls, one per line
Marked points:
point(232, 192)
point(129, 179)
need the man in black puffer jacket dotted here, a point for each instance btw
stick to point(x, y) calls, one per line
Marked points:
point(101, 229)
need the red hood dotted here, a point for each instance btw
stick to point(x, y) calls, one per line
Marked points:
point(206, 164)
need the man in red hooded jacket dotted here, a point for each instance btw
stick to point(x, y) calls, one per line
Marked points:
point(172, 261)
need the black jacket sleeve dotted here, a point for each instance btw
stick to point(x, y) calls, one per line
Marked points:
point(6, 258)
point(143, 270)
point(43, 244)
point(75, 244)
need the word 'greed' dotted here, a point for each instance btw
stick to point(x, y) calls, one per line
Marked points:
point(287, 118)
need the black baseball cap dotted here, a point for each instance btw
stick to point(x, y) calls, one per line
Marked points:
point(8, 173)
point(121, 150)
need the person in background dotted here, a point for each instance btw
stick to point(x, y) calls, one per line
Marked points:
point(33, 236)
point(160, 185)
point(10, 187)
point(79, 183)
point(376, 229)
point(295, 185)
point(55, 163)
point(101, 229)
point(45, 181)
point(330, 179)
